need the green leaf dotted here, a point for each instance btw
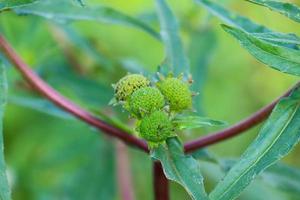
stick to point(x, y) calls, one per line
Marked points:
point(87, 92)
point(78, 40)
point(65, 11)
point(262, 32)
point(8, 4)
point(279, 176)
point(278, 136)
point(278, 57)
point(204, 154)
point(40, 105)
point(284, 178)
point(191, 121)
point(4, 188)
point(183, 169)
point(201, 48)
point(288, 9)
point(80, 2)
point(67, 161)
point(175, 55)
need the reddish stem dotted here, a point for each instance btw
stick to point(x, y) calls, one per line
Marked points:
point(236, 129)
point(160, 183)
point(124, 173)
point(38, 84)
point(80, 113)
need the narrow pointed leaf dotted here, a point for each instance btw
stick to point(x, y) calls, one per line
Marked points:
point(191, 121)
point(175, 55)
point(40, 105)
point(278, 136)
point(287, 9)
point(4, 188)
point(202, 46)
point(278, 57)
point(80, 2)
point(183, 169)
point(65, 11)
point(262, 32)
point(284, 178)
point(8, 4)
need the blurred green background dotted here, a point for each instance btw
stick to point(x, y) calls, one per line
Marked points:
point(53, 156)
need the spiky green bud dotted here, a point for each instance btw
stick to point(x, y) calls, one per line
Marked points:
point(128, 84)
point(156, 127)
point(145, 101)
point(177, 93)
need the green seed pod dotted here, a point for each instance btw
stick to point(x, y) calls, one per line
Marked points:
point(156, 127)
point(177, 93)
point(145, 101)
point(128, 84)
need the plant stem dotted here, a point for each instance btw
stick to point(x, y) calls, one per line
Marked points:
point(52, 95)
point(160, 183)
point(236, 129)
point(43, 88)
point(124, 173)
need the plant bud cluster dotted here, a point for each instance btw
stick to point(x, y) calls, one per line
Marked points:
point(153, 105)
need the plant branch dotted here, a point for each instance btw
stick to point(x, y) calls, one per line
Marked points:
point(160, 183)
point(123, 170)
point(47, 91)
point(39, 85)
point(236, 129)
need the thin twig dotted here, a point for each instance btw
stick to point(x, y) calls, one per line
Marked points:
point(236, 129)
point(160, 183)
point(124, 173)
point(42, 87)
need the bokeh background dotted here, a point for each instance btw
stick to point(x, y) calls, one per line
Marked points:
point(50, 155)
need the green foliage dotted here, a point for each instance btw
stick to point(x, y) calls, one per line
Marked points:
point(201, 49)
point(276, 139)
point(183, 169)
point(192, 121)
point(175, 56)
point(61, 161)
point(288, 40)
point(280, 58)
point(66, 160)
point(288, 9)
point(4, 4)
point(63, 11)
point(4, 187)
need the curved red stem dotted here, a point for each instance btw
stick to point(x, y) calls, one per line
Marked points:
point(42, 87)
point(236, 129)
point(82, 114)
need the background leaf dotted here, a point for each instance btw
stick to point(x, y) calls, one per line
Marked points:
point(181, 168)
point(41, 105)
point(202, 46)
point(71, 161)
point(175, 55)
point(288, 9)
point(65, 11)
point(288, 40)
point(278, 136)
point(192, 121)
point(280, 58)
point(4, 187)
point(283, 177)
point(7, 4)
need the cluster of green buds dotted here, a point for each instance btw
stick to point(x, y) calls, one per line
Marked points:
point(153, 104)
